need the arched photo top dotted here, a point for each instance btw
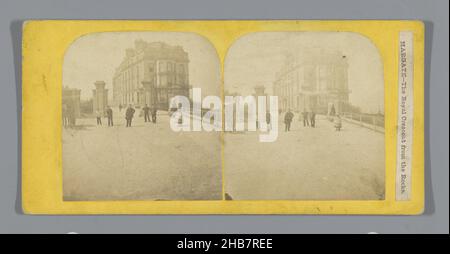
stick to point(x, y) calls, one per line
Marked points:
point(330, 92)
point(258, 59)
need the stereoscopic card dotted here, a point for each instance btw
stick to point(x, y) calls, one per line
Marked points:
point(223, 117)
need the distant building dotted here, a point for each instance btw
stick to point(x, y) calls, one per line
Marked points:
point(71, 101)
point(151, 73)
point(313, 80)
point(100, 97)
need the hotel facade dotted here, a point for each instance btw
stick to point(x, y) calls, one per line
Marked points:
point(313, 80)
point(151, 73)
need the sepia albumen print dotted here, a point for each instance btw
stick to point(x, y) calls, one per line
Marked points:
point(117, 142)
point(137, 106)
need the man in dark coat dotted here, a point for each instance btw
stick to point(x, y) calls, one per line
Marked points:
point(129, 115)
point(288, 119)
point(146, 110)
point(109, 114)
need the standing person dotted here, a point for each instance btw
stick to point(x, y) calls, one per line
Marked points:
point(109, 113)
point(288, 119)
point(154, 112)
point(146, 110)
point(120, 107)
point(269, 126)
point(98, 114)
point(305, 118)
point(338, 123)
point(129, 115)
point(312, 119)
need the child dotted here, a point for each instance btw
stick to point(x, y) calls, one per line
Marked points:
point(338, 123)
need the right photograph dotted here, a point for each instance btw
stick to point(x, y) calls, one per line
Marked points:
point(329, 121)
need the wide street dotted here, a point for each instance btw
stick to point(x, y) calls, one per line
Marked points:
point(306, 163)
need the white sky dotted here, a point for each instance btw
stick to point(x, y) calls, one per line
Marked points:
point(255, 58)
point(95, 56)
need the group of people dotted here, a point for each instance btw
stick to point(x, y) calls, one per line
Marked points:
point(149, 111)
point(109, 115)
point(309, 120)
point(129, 115)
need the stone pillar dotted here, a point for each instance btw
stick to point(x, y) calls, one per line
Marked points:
point(260, 91)
point(100, 97)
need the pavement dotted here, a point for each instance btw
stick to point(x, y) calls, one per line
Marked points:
point(146, 161)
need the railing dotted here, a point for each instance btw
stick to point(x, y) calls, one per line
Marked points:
point(371, 121)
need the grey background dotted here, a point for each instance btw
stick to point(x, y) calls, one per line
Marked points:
point(433, 12)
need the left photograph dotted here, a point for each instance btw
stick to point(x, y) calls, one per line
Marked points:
point(117, 143)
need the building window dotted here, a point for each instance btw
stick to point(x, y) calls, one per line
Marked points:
point(180, 68)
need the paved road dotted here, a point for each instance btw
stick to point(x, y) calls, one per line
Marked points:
point(146, 161)
point(150, 161)
point(306, 163)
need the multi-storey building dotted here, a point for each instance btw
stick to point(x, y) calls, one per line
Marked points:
point(151, 73)
point(313, 80)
